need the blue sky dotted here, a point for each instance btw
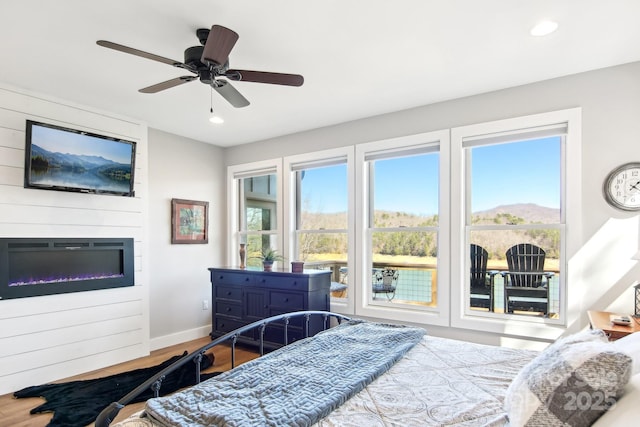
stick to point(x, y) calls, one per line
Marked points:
point(55, 140)
point(522, 172)
point(407, 184)
point(325, 189)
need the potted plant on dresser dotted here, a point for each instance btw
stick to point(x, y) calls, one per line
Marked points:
point(269, 256)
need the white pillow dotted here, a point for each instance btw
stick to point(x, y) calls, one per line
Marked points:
point(630, 345)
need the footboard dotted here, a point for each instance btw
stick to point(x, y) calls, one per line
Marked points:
point(155, 382)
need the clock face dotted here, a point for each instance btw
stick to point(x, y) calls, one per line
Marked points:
point(622, 187)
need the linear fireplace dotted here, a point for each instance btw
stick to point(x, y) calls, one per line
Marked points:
point(34, 267)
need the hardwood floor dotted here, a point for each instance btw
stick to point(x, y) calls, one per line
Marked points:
point(15, 412)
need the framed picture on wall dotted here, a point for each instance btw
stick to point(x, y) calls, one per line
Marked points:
point(189, 221)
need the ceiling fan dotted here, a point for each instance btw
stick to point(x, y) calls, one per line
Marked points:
point(209, 63)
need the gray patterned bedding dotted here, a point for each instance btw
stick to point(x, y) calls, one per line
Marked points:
point(294, 387)
point(437, 382)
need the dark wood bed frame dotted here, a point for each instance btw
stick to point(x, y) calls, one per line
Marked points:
point(109, 413)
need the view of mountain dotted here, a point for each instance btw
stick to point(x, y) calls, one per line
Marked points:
point(421, 244)
point(530, 212)
point(522, 213)
point(65, 160)
point(78, 172)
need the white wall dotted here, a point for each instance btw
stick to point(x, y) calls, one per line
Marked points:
point(50, 337)
point(181, 168)
point(610, 101)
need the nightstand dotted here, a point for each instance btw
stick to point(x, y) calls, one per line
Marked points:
point(602, 320)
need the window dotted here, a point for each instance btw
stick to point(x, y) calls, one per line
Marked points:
point(516, 190)
point(259, 228)
point(403, 232)
point(257, 219)
point(404, 227)
point(320, 217)
point(514, 204)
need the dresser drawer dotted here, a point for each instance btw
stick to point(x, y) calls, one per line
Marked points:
point(283, 282)
point(228, 293)
point(227, 325)
point(297, 323)
point(287, 301)
point(275, 334)
point(228, 309)
point(229, 278)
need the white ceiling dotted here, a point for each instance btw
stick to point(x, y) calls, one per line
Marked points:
point(359, 57)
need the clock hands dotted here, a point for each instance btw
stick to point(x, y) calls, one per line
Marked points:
point(635, 186)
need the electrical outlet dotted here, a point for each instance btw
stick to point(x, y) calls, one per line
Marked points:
point(205, 304)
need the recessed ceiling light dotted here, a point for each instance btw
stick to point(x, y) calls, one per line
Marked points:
point(544, 28)
point(216, 120)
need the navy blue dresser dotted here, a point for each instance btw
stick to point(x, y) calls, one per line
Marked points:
point(242, 296)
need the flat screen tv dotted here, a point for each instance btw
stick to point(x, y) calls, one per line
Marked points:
point(59, 158)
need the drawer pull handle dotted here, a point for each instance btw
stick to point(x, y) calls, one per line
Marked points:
point(286, 300)
point(228, 309)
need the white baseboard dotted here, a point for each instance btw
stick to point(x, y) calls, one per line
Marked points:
point(179, 337)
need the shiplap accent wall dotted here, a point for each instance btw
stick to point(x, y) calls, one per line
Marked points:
point(47, 338)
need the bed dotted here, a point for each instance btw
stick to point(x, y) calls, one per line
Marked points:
point(359, 373)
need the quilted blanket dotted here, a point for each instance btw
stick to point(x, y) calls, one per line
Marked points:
point(440, 382)
point(286, 388)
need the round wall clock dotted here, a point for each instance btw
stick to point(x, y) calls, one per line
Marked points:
point(622, 187)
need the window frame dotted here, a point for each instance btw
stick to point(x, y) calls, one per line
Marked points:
point(570, 230)
point(248, 170)
point(438, 315)
point(318, 159)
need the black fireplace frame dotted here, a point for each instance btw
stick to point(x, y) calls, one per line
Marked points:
point(65, 247)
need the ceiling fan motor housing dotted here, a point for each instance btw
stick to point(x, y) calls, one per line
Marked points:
point(192, 58)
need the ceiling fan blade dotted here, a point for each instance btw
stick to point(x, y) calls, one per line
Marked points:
point(230, 93)
point(168, 84)
point(219, 44)
point(143, 54)
point(265, 77)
